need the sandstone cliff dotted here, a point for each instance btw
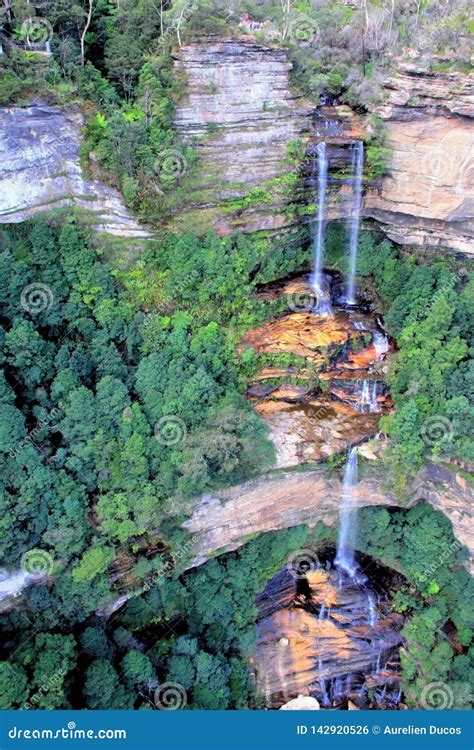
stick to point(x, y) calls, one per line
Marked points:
point(224, 521)
point(40, 171)
point(241, 114)
point(428, 197)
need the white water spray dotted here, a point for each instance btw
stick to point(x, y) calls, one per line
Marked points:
point(347, 520)
point(317, 278)
point(354, 219)
point(380, 342)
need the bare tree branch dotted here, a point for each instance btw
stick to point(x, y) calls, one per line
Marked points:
point(84, 31)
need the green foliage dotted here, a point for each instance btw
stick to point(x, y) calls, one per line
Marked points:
point(420, 544)
point(430, 313)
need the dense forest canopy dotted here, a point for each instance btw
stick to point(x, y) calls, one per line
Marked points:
point(122, 399)
point(122, 385)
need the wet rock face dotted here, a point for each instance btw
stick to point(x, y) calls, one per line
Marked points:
point(224, 521)
point(40, 171)
point(314, 430)
point(241, 115)
point(332, 639)
point(301, 333)
point(334, 400)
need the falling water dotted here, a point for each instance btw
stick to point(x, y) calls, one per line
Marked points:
point(380, 342)
point(354, 219)
point(373, 403)
point(347, 521)
point(322, 683)
point(372, 611)
point(364, 399)
point(317, 279)
point(367, 401)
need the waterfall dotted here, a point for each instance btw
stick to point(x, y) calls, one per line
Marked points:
point(323, 305)
point(322, 683)
point(373, 403)
point(380, 342)
point(354, 219)
point(367, 401)
point(364, 399)
point(372, 611)
point(347, 521)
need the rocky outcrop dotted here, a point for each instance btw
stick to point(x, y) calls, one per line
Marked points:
point(240, 113)
point(224, 521)
point(330, 397)
point(324, 643)
point(428, 197)
point(40, 171)
point(439, 89)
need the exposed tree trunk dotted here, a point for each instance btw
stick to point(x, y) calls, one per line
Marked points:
point(286, 11)
point(84, 31)
point(179, 21)
point(392, 13)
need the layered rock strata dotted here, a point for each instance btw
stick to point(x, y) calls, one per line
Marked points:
point(40, 171)
point(241, 114)
point(224, 521)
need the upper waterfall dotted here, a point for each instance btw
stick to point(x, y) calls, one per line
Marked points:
point(323, 305)
point(354, 217)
